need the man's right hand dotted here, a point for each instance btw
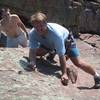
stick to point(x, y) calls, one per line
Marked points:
point(64, 79)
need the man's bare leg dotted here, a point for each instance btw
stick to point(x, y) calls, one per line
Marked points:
point(83, 65)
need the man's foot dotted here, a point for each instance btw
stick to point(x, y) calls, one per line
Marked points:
point(64, 79)
point(97, 82)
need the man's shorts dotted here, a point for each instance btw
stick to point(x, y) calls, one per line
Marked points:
point(3, 40)
point(14, 42)
point(71, 47)
point(74, 52)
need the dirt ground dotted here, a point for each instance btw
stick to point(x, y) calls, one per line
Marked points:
point(18, 84)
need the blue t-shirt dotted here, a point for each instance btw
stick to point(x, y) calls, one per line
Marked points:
point(53, 40)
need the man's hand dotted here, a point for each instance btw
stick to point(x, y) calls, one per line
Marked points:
point(64, 79)
point(31, 66)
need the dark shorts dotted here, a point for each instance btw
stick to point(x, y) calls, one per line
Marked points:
point(3, 40)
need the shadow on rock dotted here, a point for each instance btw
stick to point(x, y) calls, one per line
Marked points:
point(24, 64)
point(43, 66)
point(47, 68)
point(85, 88)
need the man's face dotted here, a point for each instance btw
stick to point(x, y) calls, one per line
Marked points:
point(5, 14)
point(40, 27)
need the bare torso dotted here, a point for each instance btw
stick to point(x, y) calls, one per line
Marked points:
point(10, 27)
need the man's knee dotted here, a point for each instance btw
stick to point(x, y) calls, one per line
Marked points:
point(78, 64)
point(76, 61)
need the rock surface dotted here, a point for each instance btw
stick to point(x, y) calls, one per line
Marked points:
point(18, 84)
point(80, 15)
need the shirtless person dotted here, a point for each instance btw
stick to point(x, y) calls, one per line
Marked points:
point(15, 30)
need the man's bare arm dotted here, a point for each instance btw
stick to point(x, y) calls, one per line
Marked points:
point(64, 77)
point(63, 64)
point(32, 57)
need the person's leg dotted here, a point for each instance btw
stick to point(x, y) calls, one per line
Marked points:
point(74, 56)
point(12, 42)
point(83, 65)
point(41, 52)
point(50, 57)
point(51, 54)
point(22, 40)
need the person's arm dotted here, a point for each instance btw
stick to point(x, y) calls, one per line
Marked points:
point(20, 24)
point(63, 64)
point(23, 27)
point(64, 67)
point(32, 58)
point(0, 29)
point(60, 49)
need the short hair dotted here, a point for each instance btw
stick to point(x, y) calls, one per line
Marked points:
point(4, 10)
point(39, 16)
